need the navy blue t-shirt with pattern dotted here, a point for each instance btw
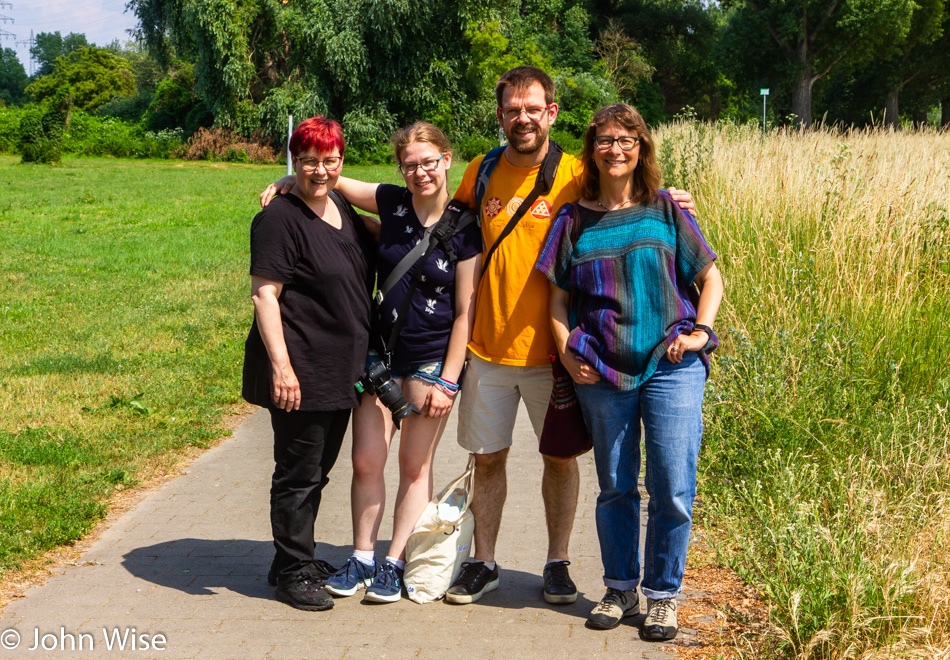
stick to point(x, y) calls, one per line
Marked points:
point(425, 334)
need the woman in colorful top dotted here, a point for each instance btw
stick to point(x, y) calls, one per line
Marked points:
point(625, 264)
point(427, 359)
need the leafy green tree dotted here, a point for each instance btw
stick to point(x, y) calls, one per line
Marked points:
point(915, 57)
point(175, 104)
point(92, 75)
point(251, 58)
point(42, 129)
point(48, 46)
point(676, 38)
point(815, 37)
point(623, 60)
point(147, 72)
point(13, 78)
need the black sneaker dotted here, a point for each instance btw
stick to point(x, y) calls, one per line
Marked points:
point(559, 588)
point(321, 569)
point(304, 591)
point(475, 579)
point(614, 606)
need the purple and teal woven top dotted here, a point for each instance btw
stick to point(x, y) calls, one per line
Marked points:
point(631, 275)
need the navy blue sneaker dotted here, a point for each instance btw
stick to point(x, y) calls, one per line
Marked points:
point(352, 576)
point(387, 587)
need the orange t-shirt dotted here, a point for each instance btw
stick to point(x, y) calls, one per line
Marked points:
point(512, 322)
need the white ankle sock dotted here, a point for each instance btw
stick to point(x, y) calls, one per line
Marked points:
point(365, 557)
point(398, 563)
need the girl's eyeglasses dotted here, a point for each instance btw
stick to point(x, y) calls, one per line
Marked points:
point(427, 166)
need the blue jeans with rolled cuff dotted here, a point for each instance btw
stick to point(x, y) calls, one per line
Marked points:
point(669, 405)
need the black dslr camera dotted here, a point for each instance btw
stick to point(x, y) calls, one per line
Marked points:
point(378, 381)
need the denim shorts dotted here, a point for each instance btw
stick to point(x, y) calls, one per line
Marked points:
point(427, 371)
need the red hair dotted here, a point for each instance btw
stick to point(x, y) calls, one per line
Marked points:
point(318, 134)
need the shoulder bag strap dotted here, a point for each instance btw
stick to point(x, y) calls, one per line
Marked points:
point(542, 186)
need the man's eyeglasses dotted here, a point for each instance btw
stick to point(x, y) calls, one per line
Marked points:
point(513, 114)
point(427, 166)
point(626, 142)
point(309, 165)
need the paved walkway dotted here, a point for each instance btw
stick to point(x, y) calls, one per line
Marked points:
point(187, 566)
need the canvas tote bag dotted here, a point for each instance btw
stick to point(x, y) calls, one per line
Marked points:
point(441, 540)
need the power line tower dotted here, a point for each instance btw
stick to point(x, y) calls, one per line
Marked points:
point(6, 19)
point(29, 43)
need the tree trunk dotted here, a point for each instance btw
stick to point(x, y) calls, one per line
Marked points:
point(945, 112)
point(801, 96)
point(892, 118)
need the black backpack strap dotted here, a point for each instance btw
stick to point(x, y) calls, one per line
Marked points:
point(542, 186)
point(455, 217)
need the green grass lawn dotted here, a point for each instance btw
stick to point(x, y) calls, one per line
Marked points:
point(124, 304)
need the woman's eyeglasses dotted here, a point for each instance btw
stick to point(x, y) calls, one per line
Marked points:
point(310, 165)
point(427, 166)
point(626, 142)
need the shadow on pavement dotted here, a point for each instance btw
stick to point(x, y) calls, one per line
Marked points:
point(200, 566)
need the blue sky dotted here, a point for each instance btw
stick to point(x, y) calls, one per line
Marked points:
point(102, 21)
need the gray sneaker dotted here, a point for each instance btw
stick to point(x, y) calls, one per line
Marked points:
point(614, 606)
point(660, 623)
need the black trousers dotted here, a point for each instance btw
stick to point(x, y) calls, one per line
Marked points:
point(306, 445)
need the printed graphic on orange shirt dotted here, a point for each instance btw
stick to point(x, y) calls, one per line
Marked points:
point(513, 205)
point(492, 207)
point(541, 210)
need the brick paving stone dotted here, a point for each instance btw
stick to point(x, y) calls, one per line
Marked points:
point(189, 562)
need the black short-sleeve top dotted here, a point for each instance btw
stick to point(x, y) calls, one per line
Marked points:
point(424, 336)
point(328, 276)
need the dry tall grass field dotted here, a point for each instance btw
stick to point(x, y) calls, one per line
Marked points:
point(826, 467)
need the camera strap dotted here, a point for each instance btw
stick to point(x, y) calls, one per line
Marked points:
point(454, 218)
point(542, 186)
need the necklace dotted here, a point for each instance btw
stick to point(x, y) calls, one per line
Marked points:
point(620, 205)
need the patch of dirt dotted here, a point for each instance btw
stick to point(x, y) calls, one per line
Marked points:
point(15, 584)
point(729, 617)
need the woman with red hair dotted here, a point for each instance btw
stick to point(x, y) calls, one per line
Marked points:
point(311, 279)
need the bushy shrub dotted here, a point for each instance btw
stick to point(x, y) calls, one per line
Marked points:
point(367, 132)
point(127, 108)
point(42, 129)
point(9, 128)
point(223, 144)
point(580, 94)
point(175, 104)
point(97, 136)
point(571, 143)
point(468, 147)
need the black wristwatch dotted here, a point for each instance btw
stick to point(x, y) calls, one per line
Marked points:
point(704, 328)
